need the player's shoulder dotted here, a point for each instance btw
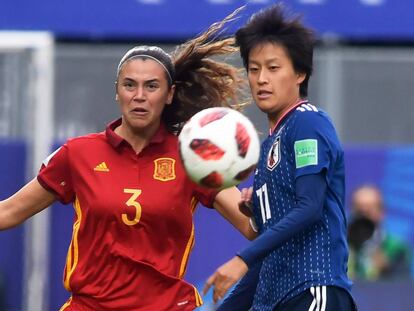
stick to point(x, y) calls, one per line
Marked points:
point(307, 112)
point(307, 107)
point(86, 140)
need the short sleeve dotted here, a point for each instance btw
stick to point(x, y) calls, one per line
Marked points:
point(314, 142)
point(205, 196)
point(54, 175)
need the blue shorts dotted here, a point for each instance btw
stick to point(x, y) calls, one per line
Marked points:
point(320, 298)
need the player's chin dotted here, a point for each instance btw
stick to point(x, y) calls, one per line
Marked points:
point(137, 123)
point(264, 102)
point(265, 106)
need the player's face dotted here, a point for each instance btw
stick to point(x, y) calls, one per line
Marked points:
point(367, 202)
point(273, 81)
point(142, 93)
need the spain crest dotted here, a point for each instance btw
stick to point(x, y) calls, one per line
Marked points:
point(164, 169)
point(273, 157)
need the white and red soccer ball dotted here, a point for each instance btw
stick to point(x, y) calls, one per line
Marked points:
point(219, 147)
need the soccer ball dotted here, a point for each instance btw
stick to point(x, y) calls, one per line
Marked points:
point(219, 147)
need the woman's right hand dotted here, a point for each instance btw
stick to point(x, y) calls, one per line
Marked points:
point(245, 204)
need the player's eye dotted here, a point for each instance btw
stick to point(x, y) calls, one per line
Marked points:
point(253, 69)
point(128, 85)
point(152, 86)
point(273, 67)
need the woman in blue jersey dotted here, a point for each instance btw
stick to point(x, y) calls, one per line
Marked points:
point(299, 261)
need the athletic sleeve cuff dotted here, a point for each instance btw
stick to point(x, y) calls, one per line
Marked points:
point(248, 256)
point(46, 186)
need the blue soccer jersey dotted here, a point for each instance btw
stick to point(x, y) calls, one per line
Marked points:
point(304, 142)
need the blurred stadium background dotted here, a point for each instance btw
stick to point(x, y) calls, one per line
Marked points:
point(57, 71)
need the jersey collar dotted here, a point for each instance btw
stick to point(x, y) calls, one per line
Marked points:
point(300, 102)
point(116, 141)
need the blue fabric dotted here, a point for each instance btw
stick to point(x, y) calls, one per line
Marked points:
point(241, 298)
point(335, 299)
point(309, 207)
point(303, 242)
point(310, 194)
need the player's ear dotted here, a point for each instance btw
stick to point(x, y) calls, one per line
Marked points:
point(116, 90)
point(300, 77)
point(171, 94)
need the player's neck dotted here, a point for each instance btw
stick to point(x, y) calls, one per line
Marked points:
point(276, 119)
point(137, 138)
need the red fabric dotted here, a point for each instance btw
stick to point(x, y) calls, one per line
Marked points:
point(113, 265)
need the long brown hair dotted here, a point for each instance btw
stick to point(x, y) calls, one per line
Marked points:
point(202, 82)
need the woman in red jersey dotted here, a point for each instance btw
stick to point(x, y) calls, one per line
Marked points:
point(133, 228)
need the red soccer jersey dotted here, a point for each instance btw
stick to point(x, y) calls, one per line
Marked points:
point(133, 229)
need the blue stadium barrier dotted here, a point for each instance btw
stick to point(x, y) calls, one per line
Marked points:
point(177, 19)
point(12, 178)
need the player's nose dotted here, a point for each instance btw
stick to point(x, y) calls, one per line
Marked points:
point(262, 77)
point(139, 94)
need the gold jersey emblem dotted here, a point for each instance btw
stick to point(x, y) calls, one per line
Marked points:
point(164, 169)
point(101, 167)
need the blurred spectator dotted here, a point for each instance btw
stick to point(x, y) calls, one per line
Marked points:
point(374, 253)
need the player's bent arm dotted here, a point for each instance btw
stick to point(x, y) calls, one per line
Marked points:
point(310, 194)
point(28, 201)
point(227, 204)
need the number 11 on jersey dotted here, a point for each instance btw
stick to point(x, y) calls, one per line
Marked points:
point(264, 203)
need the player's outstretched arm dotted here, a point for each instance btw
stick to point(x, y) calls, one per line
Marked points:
point(28, 201)
point(227, 204)
point(310, 191)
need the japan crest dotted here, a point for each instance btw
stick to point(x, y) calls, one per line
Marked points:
point(164, 169)
point(273, 157)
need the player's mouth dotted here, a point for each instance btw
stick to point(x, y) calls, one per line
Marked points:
point(139, 111)
point(263, 94)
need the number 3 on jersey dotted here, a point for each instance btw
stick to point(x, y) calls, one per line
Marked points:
point(264, 203)
point(135, 193)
